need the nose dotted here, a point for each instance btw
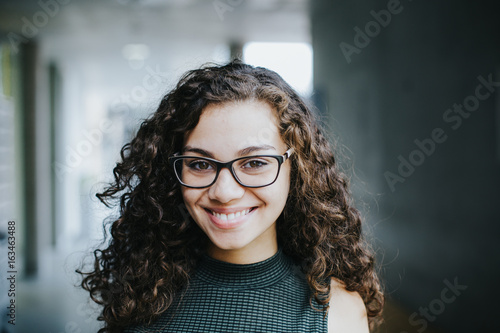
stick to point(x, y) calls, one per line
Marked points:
point(225, 188)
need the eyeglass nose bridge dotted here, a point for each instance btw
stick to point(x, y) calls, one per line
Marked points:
point(227, 165)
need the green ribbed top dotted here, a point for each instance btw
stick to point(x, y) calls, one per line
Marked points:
point(268, 296)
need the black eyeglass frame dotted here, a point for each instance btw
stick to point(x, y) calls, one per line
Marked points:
point(229, 165)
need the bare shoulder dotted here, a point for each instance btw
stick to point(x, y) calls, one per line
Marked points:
point(347, 311)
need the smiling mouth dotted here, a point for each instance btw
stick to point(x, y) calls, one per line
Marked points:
point(231, 216)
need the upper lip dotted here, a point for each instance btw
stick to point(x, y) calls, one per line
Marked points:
point(228, 210)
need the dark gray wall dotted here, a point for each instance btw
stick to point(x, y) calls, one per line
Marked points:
point(442, 222)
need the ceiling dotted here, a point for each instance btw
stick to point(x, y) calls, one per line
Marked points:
point(88, 37)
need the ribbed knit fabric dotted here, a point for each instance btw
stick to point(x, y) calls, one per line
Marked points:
point(268, 296)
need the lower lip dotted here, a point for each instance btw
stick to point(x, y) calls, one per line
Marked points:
point(231, 224)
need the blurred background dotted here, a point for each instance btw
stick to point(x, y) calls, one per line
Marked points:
point(411, 88)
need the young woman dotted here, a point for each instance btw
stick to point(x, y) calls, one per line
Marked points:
point(234, 218)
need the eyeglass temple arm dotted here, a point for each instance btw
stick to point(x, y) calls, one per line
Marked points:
point(288, 153)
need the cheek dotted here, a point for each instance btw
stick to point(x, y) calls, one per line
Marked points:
point(278, 193)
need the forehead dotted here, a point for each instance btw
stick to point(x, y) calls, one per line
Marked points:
point(236, 125)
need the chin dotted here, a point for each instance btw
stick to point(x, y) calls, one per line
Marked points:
point(230, 245)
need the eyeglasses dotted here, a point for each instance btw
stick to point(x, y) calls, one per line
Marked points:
point(249, 171)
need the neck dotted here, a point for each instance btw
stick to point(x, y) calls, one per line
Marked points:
point(249, 254)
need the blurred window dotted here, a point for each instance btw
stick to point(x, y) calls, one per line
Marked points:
point(293, 61)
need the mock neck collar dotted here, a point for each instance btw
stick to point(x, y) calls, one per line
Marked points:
point(244, 276)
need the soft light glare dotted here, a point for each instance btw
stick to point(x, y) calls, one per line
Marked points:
point(293, 61)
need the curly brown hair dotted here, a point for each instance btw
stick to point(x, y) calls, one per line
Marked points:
point(154, 246)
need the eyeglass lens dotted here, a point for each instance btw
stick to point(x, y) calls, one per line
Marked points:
point(252, 171)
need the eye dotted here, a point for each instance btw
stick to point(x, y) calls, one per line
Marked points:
point(254, 164)
point(200, 165)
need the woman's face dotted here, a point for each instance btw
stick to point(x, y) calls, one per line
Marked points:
point(239, 221)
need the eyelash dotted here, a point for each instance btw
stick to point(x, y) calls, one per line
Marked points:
point(196, 164)
point(261, 163)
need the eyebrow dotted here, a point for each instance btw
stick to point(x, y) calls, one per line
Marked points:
point(242, 152)
point(203, 152)
point(251, 149)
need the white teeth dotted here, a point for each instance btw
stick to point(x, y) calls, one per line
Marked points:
point(226, 217)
